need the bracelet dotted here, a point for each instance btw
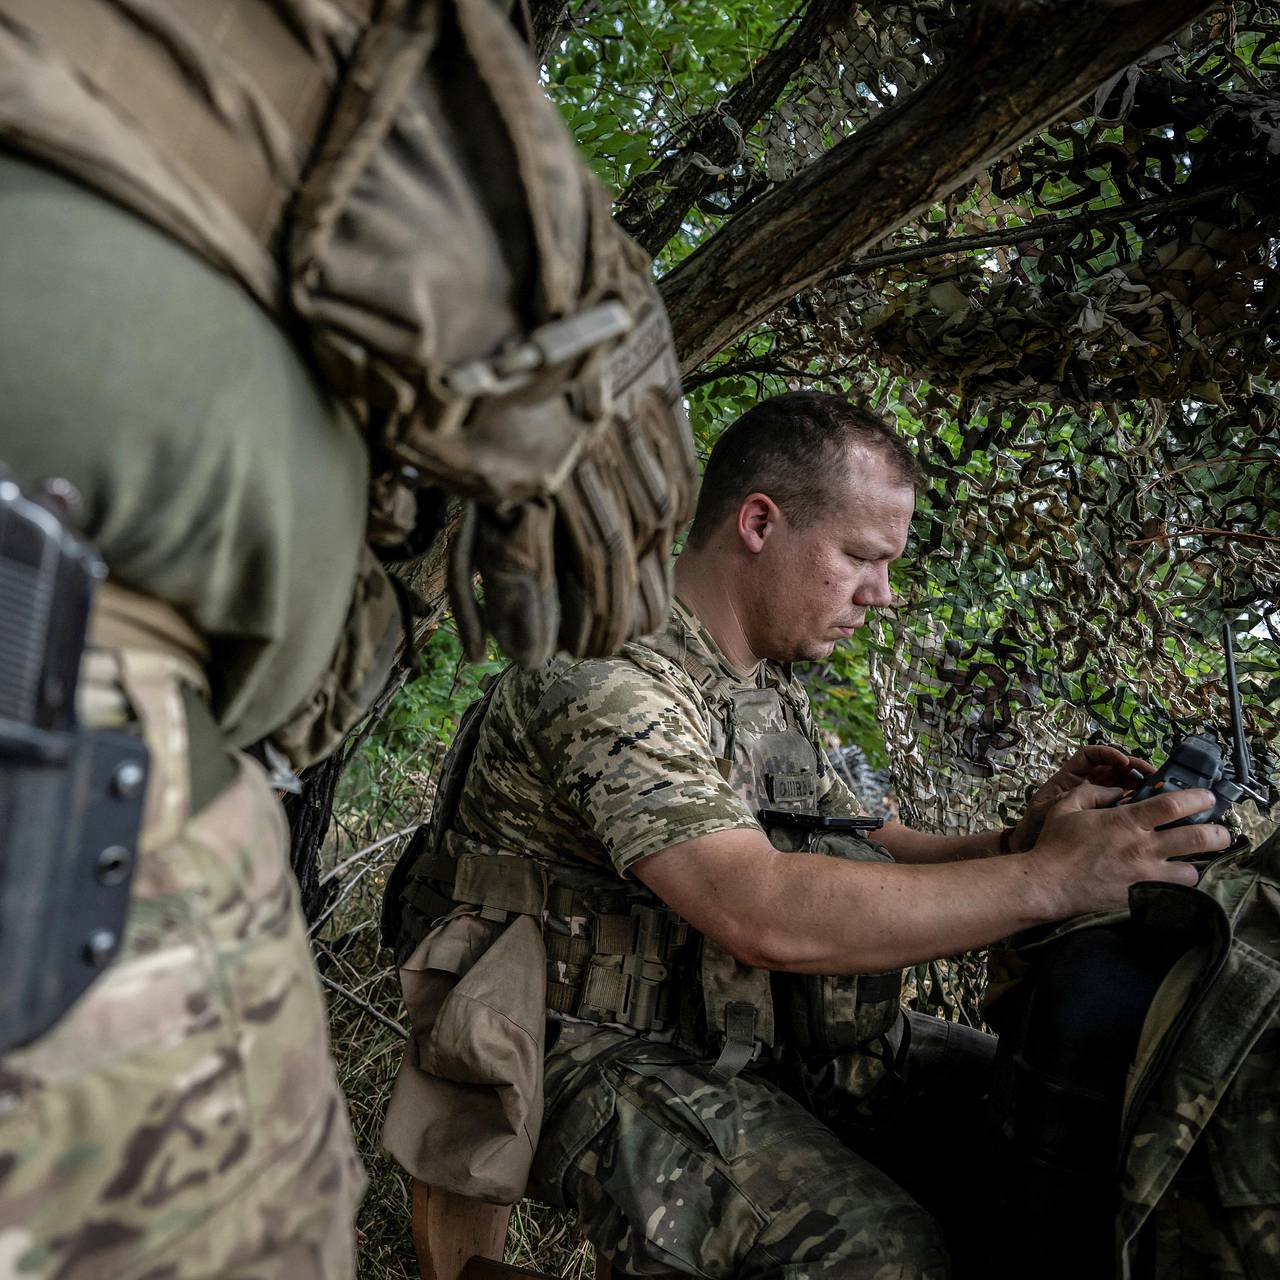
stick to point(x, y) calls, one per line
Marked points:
point(1006, 840)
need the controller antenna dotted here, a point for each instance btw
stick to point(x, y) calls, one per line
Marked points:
point(1240, 765)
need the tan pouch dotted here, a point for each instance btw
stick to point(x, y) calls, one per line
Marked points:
point(466, 1109)
point(468, 294)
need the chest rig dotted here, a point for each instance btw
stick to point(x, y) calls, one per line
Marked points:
point(766, 752)
point(615, 953)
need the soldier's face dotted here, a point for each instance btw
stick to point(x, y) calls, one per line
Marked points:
point(827, 575)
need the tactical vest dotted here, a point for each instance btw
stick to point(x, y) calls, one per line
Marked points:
point(310, 152)
point(615, 953)
point(389, 180)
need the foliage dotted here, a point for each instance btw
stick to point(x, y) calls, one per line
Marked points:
point(637, 74)
point(386, 789)
point(392, 769)
point(1083, 343)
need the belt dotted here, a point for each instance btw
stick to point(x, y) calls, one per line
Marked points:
point(144, 665)
point(126, 619)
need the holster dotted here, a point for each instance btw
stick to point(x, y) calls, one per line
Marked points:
point(70, 811)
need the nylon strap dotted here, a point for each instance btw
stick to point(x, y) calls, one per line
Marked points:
point(604, 994)
point(614, 935)
point(563, 997)
point(621, 972)
point(569, 951)
point(145, 649)
point(876, 987)
point(495, 880)
point(125, 619)
point(739, 1040)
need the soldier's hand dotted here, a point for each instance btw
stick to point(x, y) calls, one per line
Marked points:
point(1102, 765)
point(1090, 853)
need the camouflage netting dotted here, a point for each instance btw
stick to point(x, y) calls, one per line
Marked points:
point(1087, 341)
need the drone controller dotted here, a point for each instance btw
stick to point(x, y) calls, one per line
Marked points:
point(1196, 762)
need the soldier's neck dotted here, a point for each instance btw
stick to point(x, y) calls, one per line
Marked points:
point(704, 587)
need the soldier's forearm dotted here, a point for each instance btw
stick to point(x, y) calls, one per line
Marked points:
point(811, 913)
point(908, 845)
point(814, 913)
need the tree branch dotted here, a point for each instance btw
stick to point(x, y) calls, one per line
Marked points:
point(334, 872)
point(1039, 229)
point(552, 21)
point(1234, 534)
point(1024, 64)
point(377, 1015)
point(768, 364)
point(651, 217)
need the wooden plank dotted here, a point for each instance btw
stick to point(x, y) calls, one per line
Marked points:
point(449, 1230)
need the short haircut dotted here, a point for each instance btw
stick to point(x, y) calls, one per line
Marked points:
point(792, 447)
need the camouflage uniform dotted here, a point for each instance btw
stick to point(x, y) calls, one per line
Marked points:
point(670, 1161)
point(1200, 1142)
point(234, 231)
point(183, 1119)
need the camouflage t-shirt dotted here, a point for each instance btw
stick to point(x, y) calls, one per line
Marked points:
point(607, 760)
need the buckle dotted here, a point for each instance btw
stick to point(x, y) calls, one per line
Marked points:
point(641, 979)
point(547, 346)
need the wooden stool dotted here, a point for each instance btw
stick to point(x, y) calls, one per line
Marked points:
point(460, 1239)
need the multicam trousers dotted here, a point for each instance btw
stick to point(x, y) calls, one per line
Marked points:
point(672, 1170)
point(183, 1121)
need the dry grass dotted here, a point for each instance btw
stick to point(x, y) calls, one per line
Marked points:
point(367, 1053)
point(384, 794)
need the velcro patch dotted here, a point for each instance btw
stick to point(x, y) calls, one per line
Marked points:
point(787, 788)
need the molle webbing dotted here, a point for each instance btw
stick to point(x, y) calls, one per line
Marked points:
point(742, 1043)
point(614, 967)
point(500, 883)
point(619, 969)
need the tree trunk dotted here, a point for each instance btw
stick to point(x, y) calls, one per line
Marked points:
point(1024, 64)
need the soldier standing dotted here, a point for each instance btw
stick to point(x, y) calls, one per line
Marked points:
point(731, 1086)
point(273, 276)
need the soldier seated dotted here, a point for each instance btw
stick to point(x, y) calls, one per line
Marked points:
point(731, 1086)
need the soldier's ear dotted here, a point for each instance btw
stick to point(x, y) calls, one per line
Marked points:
point(758, 516)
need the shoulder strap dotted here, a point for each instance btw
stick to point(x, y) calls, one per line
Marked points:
point(428, 839)
point(673, 645)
